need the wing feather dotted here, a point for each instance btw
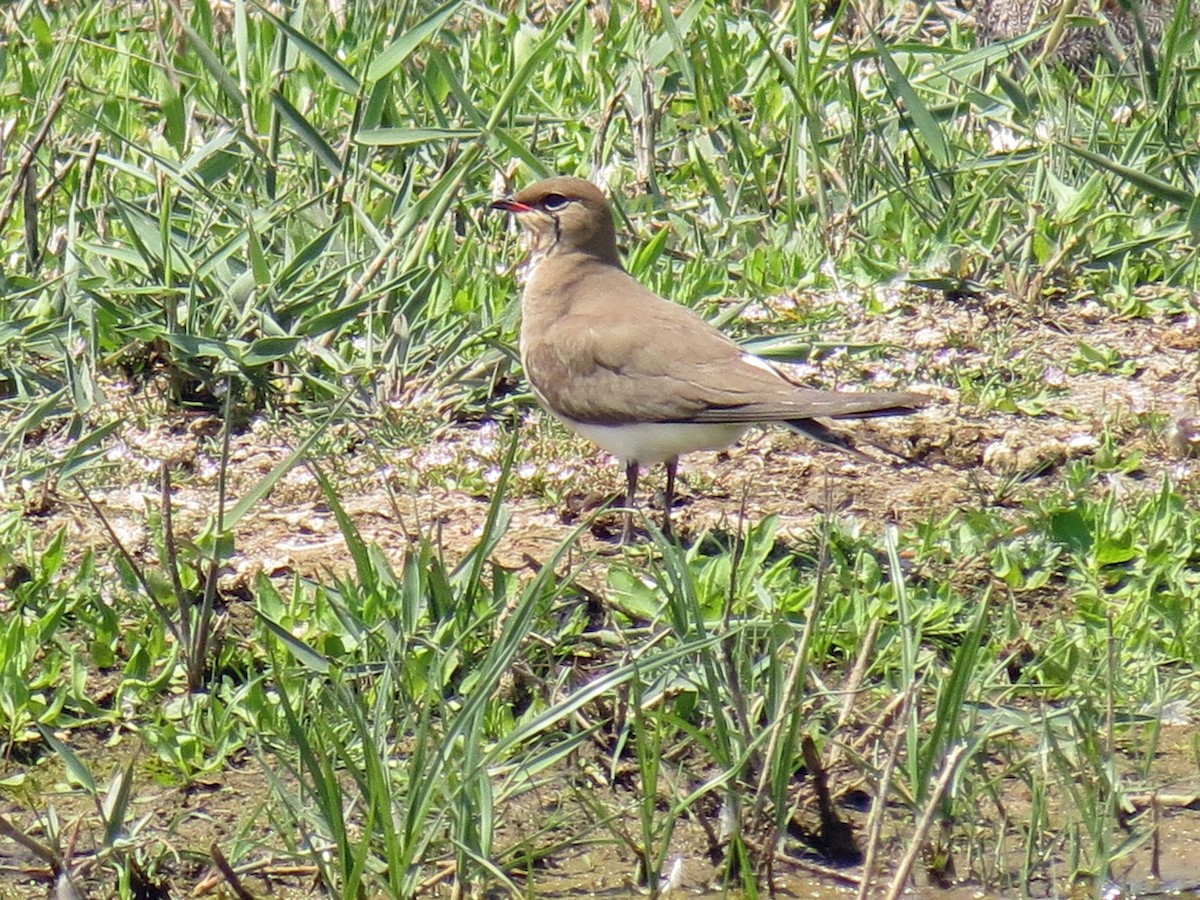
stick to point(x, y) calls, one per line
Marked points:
point(645, 359)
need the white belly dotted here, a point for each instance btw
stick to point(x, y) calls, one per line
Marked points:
point(654, 442)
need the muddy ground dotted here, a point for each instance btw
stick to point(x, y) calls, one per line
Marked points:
point(959, 457)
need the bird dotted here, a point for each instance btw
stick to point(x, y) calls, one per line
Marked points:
point(1183, 434)
point(1077, 46)
point(643, 377)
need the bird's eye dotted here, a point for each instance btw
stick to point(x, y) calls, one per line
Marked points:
point(554, 202)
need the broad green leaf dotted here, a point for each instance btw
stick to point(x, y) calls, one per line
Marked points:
point(402, 48)
point(307, 133)
point(1143, 181)
point(269, 349)
point(400, 137)
point(916, 110)
point(338, 73)
point(212, 62)
point(76, 768)
point(304, 654)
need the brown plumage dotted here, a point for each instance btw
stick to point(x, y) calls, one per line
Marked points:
point(642, 377)
point(1000, 20)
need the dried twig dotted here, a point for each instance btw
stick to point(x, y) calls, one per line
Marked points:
point(18, 184)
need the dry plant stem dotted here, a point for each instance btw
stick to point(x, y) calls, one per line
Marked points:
point(853, 682)
point(129, 560)
point(1156, 838)
point(42, 851)
point(839, 875)
point(1054, 38)
point(921, 832)
point(30, 872)
point(59, 175)
point(894, 710)
point(263, 868)
point(855, 679)
point(356, 289)
point(73, 839)
point(89, 166)
point(754, 759)
point(31, 151)
point(231, 877)
point(1158, 800)
point(185, 618)
point(643, 123)
point(878, 808)
point(33, 255)
point(606, 119)
point(819, 774)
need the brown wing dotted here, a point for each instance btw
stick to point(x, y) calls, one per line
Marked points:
point(621, 353)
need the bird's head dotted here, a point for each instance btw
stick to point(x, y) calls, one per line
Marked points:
point(564, 215)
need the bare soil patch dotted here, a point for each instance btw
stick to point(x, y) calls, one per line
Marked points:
point(956, 457)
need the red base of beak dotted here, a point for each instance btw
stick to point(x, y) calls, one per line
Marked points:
point(509, 205)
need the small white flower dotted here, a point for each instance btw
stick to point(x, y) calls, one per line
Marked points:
point(484, 438)
point(1082, 442)
point(1003, 139)
point(928, 338)
point(946, 357)
point(726, 821)
point(803, 370)
point(437, 455)
point(672, 878)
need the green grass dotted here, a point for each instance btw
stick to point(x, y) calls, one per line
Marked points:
point(278, 215)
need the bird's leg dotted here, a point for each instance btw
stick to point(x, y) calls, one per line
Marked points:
point(669, 500)
point(631, 476)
